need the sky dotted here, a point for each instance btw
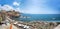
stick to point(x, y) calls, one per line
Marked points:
point(32, 6)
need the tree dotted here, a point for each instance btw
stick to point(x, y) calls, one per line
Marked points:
point(0, 19)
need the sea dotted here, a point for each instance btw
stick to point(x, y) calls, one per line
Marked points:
point(39, 17)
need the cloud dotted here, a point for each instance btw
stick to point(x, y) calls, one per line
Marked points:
point(0, 5)
point(16, 3)
point(18, 9)
point(7, 7)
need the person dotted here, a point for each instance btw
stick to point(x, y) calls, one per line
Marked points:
point(11, 26)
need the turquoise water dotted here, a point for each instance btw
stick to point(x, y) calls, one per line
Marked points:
point(40, 17)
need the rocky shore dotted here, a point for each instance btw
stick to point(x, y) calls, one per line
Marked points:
point(6, 17)
point(36, 24)
point(33, 24)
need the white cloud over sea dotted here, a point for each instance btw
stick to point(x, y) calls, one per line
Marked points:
point(16, 3)
point(8, 7)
